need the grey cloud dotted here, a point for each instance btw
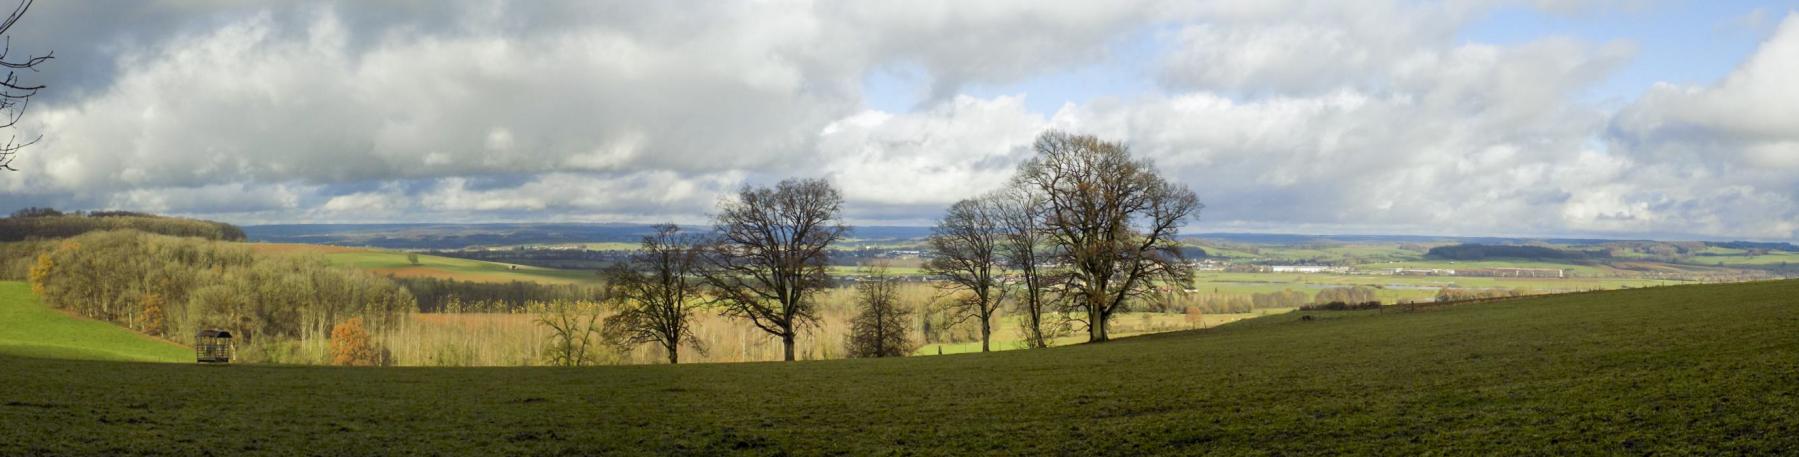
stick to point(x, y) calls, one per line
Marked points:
point(1309, 115)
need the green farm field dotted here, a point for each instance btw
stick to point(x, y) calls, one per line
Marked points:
point(1688, 370)
point(396, 263)
point(30, 328)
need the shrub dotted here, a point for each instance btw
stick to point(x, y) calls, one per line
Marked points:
point(352, 346)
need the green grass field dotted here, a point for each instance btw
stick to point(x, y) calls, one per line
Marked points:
point(1688, 370)
point(29, 328)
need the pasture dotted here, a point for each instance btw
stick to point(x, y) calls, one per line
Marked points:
point(30, 328)
point(1691, 370)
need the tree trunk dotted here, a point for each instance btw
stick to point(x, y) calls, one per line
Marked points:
point(986, 333)
point(787, 343)
point(1096, 325)
point(674, 354)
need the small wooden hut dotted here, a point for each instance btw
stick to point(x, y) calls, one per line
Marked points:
point(212, 346)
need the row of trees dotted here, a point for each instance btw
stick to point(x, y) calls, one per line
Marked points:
point(441, 295)
point(173, 287)
point(44, 223)
point(1082, 229)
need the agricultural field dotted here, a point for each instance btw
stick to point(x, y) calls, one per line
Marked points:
point(1690, 370)
point(1393, 288)
point(1007, 336)
point(28, 328)
point(396, 263)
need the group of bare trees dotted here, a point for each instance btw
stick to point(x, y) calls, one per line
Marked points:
point(1081, 230)
point(764, 262)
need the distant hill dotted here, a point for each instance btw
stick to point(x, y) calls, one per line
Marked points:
point(1490, 251)
point(40, 223)
point(457, 236)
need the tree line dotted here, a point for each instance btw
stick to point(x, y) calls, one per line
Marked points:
point(1487, 251)
point(438, 295)
point(46, 223)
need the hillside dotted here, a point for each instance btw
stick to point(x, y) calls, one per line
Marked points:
point(58, 225)
point(1698, 370)
point(29, 328)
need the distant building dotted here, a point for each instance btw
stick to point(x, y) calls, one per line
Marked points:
point(1424, 271)
point(1306, 269)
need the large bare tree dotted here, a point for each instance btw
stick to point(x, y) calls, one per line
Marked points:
point(965, 254)
point(1018, 213)
point(657, 290)
point(1113, 220)
point(882, 326)
point(768, 259)
point(15, 95)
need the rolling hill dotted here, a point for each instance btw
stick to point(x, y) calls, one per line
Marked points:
point(1700, 370)
point(29, 328)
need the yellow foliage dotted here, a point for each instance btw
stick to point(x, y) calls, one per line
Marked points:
point(351, 344)
point(152, 320)
point(41, 271)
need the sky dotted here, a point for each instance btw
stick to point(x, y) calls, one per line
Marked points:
point(1620, 119)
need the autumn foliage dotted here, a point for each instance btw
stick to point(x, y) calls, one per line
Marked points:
point(351, 344)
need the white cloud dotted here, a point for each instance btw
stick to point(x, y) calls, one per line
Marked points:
point(1369, 115)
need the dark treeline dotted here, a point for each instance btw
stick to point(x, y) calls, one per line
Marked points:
point(1488, 251)
point(451, 296)
point(46, 223)
point(568, 259)
point(1751, 245)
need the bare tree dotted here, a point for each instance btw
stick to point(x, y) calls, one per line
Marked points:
point(574, 331)
point(769, 257)
point(1113, 220)
point(965, 253)
point(883, 326)
point(657, 291)
point(1018, 213)
point(15, 95)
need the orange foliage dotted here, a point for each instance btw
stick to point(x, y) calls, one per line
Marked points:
point(351, 344)
point(152, 319)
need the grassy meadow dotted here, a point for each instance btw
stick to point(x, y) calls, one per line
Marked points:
point(1689, 370)
point(29, 328)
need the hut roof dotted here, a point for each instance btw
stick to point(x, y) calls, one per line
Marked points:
point(215, 333)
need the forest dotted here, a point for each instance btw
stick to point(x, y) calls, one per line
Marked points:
point(171, 287)
point(46, 223)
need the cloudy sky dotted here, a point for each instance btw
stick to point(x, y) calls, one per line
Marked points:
point(1639, 118)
